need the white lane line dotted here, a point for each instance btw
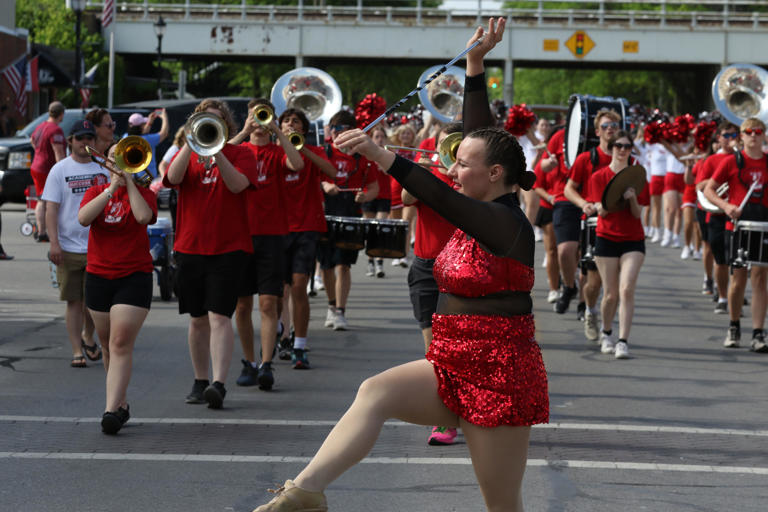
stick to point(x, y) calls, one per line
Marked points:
point(323, 423)
point(446, 461)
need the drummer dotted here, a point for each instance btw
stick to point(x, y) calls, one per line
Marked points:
point(544, 187)
point(620, 245)
point(576, 189)
point(356, 182)
point(740, 170)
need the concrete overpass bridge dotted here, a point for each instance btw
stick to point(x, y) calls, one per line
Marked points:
point(600, 34)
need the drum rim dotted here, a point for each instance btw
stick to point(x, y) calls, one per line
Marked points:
point(747, 224)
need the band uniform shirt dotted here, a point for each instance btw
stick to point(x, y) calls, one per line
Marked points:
point(739, 180)
point(620, 226)
point(582, 169)
point(432, 230)
point(266, 202)
point(545, 180)
point(210, 219)
point(555, 148)
point(351, 172)
point(45, 135)
point(304, 196)
point(66, 185)
point(118, 245)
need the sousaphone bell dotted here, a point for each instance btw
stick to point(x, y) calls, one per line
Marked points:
point(739, 92)
point(444, 96)
point(310, 90)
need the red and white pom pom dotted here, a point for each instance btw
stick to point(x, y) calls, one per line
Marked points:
point(519, 120)
point(703, 134)
point(369, 108)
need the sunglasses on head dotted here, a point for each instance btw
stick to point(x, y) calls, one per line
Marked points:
point(340, 127)
point(612, 124)
point(751, 131)
point(84, 137)
point(729, 135)
point(620, 145)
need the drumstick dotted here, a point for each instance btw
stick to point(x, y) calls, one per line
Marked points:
point(749, 193)
point(350, 190)
point(692, 157)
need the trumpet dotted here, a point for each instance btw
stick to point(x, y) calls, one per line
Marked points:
point(263, 115)
point(296, 139)
point(132, 155)
point(206, 133)
point(447, 150)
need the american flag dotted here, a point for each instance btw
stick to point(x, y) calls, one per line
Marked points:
point(108, 14)
point(16, 76)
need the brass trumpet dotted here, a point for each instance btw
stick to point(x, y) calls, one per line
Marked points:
point(206, 133)
point(263, 115)
point(132, 155)
point(296, 139)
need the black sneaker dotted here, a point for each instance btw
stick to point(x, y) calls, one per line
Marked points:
point(196, 395)
point(708, 287)
point(110, 423)
point(266, 380)
point(247, 375)
point(284, 349)
point(721, 308)
point(561, 305)
point(124, 413)
point(214, 395)
point(758, 343)
point(580, 311)
point(733, 338)
point(300, 360)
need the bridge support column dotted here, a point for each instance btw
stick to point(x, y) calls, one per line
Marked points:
point(509, 85)
point(299, 61)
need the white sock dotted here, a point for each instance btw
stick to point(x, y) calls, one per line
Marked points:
point(254, 364)
point(593, 310)
point(721, 300)
point(299, 343)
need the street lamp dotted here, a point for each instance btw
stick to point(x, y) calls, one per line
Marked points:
point(159, 31)
point(78, 6)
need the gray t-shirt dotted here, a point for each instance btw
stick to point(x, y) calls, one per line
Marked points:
point(66, 185)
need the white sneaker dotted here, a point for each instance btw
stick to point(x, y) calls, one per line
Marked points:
point(329, 317)
point(666, 241)
point(621, 350)
point(686, 253)
point(552, 296)
point(371, 271)
point(544, 261)
point(591, 330)
point(656, 236)
point(697, 255)
point(607, 345)
point(339, 322)
point(675, 242)
point(537, 234)
point(647, 231)
point(404, 262)
point(379, 270)
point(319, 283)
point(395, 262)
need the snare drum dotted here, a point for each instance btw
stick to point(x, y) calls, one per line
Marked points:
point(588, 239)
point(580, 125)
point(386, 238)
point(749, 245)
point(348, 233)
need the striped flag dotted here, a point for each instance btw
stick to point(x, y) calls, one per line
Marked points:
point(108, 14)
point(16, 76)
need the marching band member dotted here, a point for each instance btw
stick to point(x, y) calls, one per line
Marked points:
point(619, 248)
point(118, 280)
point(691, 233)
point(577, 189)
point(707, 257)
point(404, 135)
point(356, 182)
point(657, 163)
point(544, 187)
point(485, 274)
point(306, 220)
point(212, 244)
point(740, 170)
point(380, 207)
point(674, 184)
point(265, 270)
point(728, 140)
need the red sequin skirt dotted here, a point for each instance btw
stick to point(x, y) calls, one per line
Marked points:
point(489, 369)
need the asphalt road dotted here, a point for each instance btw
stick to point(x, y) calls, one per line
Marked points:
point(679, 427)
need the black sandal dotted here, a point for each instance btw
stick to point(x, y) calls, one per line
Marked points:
point(78, 362)
point(93, 352)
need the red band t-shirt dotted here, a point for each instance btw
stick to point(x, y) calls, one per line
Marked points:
point(266, 200)
point(46, 134)
point(581, 170)
point(304, 196)
point(740, 180)
point(118, 246)
point(619, 226)
point(432, 231)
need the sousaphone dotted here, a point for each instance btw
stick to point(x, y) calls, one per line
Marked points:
point(739, 92)
point(444, 96)
point(311, 90)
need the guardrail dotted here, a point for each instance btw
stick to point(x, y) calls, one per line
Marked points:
point(742, 14)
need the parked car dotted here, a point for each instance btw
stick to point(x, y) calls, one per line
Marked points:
point(16, 152)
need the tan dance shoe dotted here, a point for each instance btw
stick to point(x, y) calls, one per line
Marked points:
point(294, 499)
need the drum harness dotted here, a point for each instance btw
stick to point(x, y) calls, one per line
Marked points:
point(740, 165)
point(329, 153)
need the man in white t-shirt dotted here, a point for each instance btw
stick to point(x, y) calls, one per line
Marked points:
point(64, 190)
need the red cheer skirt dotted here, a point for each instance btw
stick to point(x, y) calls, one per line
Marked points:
point(489, 369)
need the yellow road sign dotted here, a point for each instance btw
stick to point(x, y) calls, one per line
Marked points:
point(580, 44)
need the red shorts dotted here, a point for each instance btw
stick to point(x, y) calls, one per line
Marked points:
point(689, 196)
point(39, 180)
point(396, 196)
point(657, 185)
point(674, 182)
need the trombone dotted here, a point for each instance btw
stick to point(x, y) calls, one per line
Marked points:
point(132, 155)
point(447, 150)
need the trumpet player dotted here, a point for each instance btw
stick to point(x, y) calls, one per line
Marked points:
point(212, 243)
point(268, 225)
point(118, 280)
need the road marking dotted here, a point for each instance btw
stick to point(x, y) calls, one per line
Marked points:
point(323, 423)
point(445, 461)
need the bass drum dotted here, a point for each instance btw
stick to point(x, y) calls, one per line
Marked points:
point(580, 124)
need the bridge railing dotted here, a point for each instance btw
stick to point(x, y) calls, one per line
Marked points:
point(744, 14)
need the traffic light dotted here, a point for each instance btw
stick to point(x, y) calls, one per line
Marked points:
point(494, 82)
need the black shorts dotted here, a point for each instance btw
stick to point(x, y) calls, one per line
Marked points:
point(701, 218)
point(134, 290)
point(377, 205)
point(716, 238)
point(566, 218)
point(543, 217)
point(609, 249)
point(422, 288)
point(331, 256)
point(264, 270)
point(300, 253)
point(209, 282)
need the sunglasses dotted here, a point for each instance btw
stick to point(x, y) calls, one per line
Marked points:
point(619, 145)
point(729, 135)
point(753, 131)
point(109, 125)
point(340, 127)
point(83, 137)
point(612, 124)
